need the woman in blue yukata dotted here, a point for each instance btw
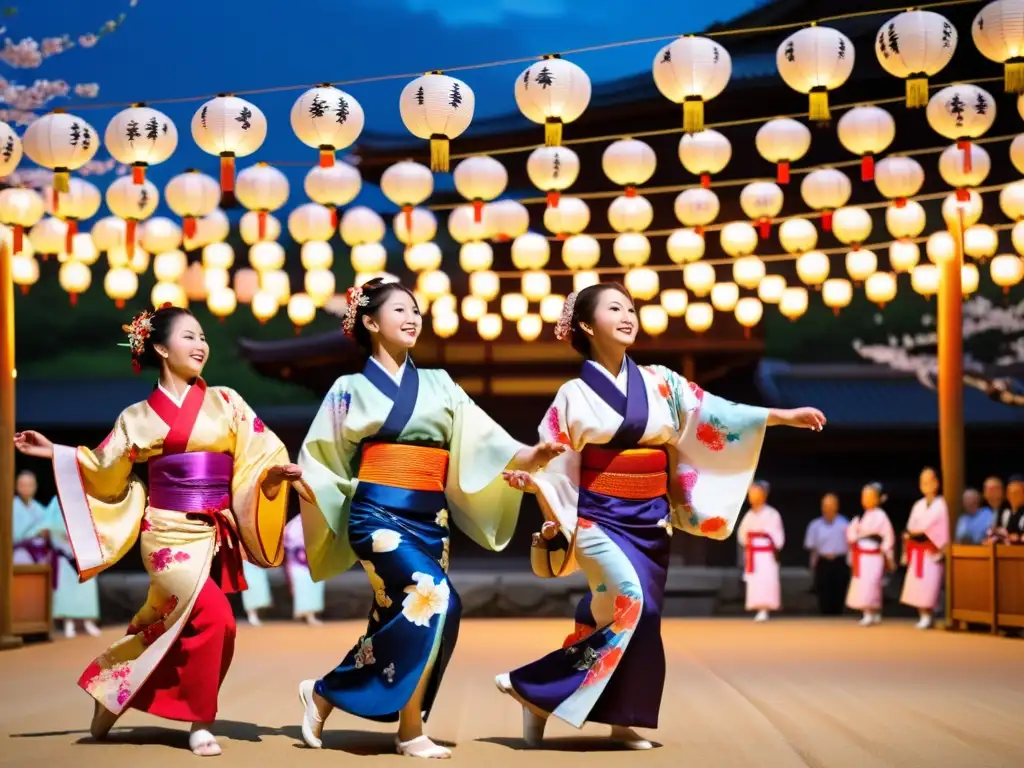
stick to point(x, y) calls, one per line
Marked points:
point(647, 451)
point(392, 454)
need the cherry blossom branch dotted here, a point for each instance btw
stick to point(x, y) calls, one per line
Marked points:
point(27, 53)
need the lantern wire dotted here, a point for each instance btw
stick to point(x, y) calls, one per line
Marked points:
point(731, 32)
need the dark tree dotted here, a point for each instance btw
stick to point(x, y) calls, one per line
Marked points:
point(202, 115)
point(666, 56)
point(790, 51)
point(152, 129)
point(456, 96)
point(544, 78)
point(894, 39)
point(881, 45)
point(131, 131)
point(143, 198)
point(243, 117)
point(8, 148)
point(76, 134)
point(86, 138)
point(419, 96)
point(956, 108)
point(341, 111)
point(842, 49)
point(981, 105)
point(947, 34)
point(318, 108)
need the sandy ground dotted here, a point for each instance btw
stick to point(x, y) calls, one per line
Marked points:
point(788, 693)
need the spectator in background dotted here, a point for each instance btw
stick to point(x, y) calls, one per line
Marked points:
point(826, 541)
point(995, 500)
point(975, 521)
point(763, 537)
point(1015, 498)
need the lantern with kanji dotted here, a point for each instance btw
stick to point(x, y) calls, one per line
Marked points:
point(139, 137)
point(229, 127)
point(439, 108)
point(262, 189)
point(898, 178)
point(192, 195)
point(333, 186)
point(10, 150)
point(480, 179)
point(629, 163)
point(825, 190)
point(782, 141)
point(327, 119)
point(20, 209)
point(815, 60)
point(80, 203)
point(553, 170)
point(62, 143)
point(690, 71)
point(132, 203)
point(961, 113)
point(914, 46)
point(866, 132)
point(553, 92)
point(762, 202)
point(697, 208)
point(998, 32)
point(407, 184)
point(704, 154)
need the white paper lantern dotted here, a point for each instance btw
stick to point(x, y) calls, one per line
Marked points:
point(1016, 237)
point(249, 228)
point(262, 188)
point(1011, 201)
point(724, 296)
point(476, 256)
point(480, 179)
point(553, 170)
point(327, 119)
point(837, 293)
point(84, 249)
point(1017, 147)
point(762, 202)
point(334, 186)
point(699, 317)
point(940, 247)
point(631, 249)
point(121, 284)
point(748, 312)
point(81, 202)
point(904, 255)
point(159, 235)
point(310, 221)
point(571, 217)
point(812, 268)
point(962, 174)
point(407, 184)
point(140, 137)
point(216, 279)
point(266, 257)
point(1006, 270)
point(168, 267)
point(880, 288)
point(513, 306)
point(704, 154)
point(133, 203)
point(961, 113)
point(698, 278)
point(62, 143)
point(653, 319)
point(484, 285)
point(367, 257)
point(361, 225)
point(416, 226)
point(530, 251)
point(585, 279)
point(489, 326)
point(229, 127)
point(771, 288)
point(433, 284)
point(423, 257)
point(277, 284)
point(439, 108)
point(630, 214)
point(317, 254)
point(463, 225)
point(642, 284)
point(48, 237)
point(552, 92)
point(168, 293)
point(10, 152)
point(506, 219)
point(535, 285)
point(980, 242)
point(782, 141)
point(738, 238)
point(20, 208)
point(581, 252)
point(748, 271)
point(998, 32)
point(798, 235)
point(690, 71)
point(961, 210)
point(970, 279)
point(192, 195)
point(697, 208)
point(685, 246)
point(860, 264)
point(320, 284)
point(898, 178)
point(924, 279)
point(851, 225)
point(473, 308)
point(793, 303)
point(75, 278)
point(629, 163)
point(815, 60)
point(908, 221)
point(674, 301)
point(825, 190)
point(866, 132)
point(914, 46)
point(218, 256)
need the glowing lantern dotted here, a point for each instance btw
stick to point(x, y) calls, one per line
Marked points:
point(310, 221)
point(837, 293)
point(62, 143)
point(320, 285)
point(553, 92)
point(262, 189)
point(699, 277)
point(642, 284)
point(277, 284)
point(192, 195)
point(443, 305)
point(229, 127)
point(631, 249)
point(489, 326)
point(80, 202)
point(570, 217)
point(168, 267)
point(689, 71)
point(212, 228)
point(798, 235)
point(194, 282)
point(581, 280)
point(506, 219)
point(536, 285)
point(553, 170)
point(133, 203)
point(417, 226)
point(903, 256)
point(825, 190)
point(264, 306)
point(961, 174)
point(266, 257)
point(327, 119)
point(699, 317)
point(961, 212)
point(480, 179)
point(245, 283)
point(653, 319)
point(20, 208)
point(898, 178)
point(423, 257)
point(880, 288)
point(970, 278)
point(10, 150)
point(438, 108)
point(999, 35)
point(1011, 200)
point(140, 137)
point(924, 279)
point(704, 154)
point(914, 46)
point(84, 249)
point(782, 141)
point(1007, 270)
point(724, 296)
point(961, 113)
point(697, 208)
point(530, 251)
point(906, 221)
point(629, 163)
point(581, 252)
point(513, 306)
point(860, 264)
point(1017, 236)
point(75, 278)
point(980, 241)
point(368, 257)
point(630, 214)
point(684, 246)
point(24, 271)
point(361, 225)
point(168, 293)
point(333, 186)
point(160, 234)
point(748, 271)
point(223, 302)
point(121, 284)
point(407, 184)
point(674, 300)
point(815, 60)
point(940, 247)
point(48, 236)
point(476, 256)
point(473, 308)
point(771, 288)
point(107, 233)
point(851, 226)
point(738, 238)
point(446, 324)
point(317, 255)
point(793, 303)
point(866, 132)
point(433, 284)
point(484, 285)
point(812, 268)
point(748, 313)
point(249, 228)
point(216, 279)
point(529, 327)
point(218, 256)
point(1017, 147)
point(762, 202)
point(551, 307)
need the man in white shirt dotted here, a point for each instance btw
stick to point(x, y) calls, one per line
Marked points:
point(826, 541)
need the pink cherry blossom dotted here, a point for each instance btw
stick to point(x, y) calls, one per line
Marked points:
point(87, 90)
point(88, 41)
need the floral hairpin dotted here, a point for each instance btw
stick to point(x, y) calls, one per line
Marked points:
point(356, 299)
point(138, 331)
point(563, 328)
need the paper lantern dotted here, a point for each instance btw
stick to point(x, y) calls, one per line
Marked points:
point(581, 252)
point(168, 267)
point(970, 278)
point(699, 317)
point(724, 296)
point(266, 257)
point(704, 154)
point(133, 203)
point(684, 246)
point(585, 279)
point(998, 32)
point(748, 312)
point(812, 268)
point(463, 227)
point(1016, 236)
point(317, 254)
point(368, 257)
point(530, 251)
point(277, 284)
point(851, 225)
point(310, 221)
point(535, 285)
point(245, 284)
point(513, 306)
point(484, 285)
point(908, 221)
point(301, 310)
point(653, 319)
point(914, 46)
point(980, 241)
point(551, 307)
point(1017, 147)
point(898, 178)
point(24, 272)
point(506, 219)
point(924, 279)
point(697, 208)
point(361, 225)
point(84, 249)
point(439, 108)
point(815, 60)
point(62, 143)
point(264, 306)
point(160, 234)
point(782, 141)
point(327, 119)
point(20, 208)
point(192, 195)
point(194, 283)
point(699, 277)
point(571, 217)
point(223, 302)
point(675, 301)
point(407, 184)
point(960, 212)
point(961, 113)
point(738, 238)
point(960, 174)
point(121, 284)
point(690, 71)
point(553, 170)
point(212, 228)
point(10, 151)
point(762, 202)
point(217, 279)
point(860, 264)
point(1006, 270)
point(75, 278)
point(433, 284)
point(642, 284)
point(140, 137)
point(552, 92)
point(771, 288)
point(798, 235)
point(630, 214)
point(423, 257)
point(941, 247)
point(748, 271)
point(825, 190)
point(445, 325)
point(866, 132)
point(333, 186)
point(473, 308)
point(489, 326)
point(880, 287)
point(81, 202)
point(793, 303)
point(445, 304)
point(1011, 201)
point(904, 255)
point(262, 188)
point(249, 228)
point(480, 179)
point(218, 256)
point(229, 127)
point(631, 249)
point(47, 237)
point(320, 285)
point(629, 163)
point(837, 293)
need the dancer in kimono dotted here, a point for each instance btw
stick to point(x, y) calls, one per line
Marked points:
point(394, 454)
point(256, 596)
point(30, 521)
point(307, 595)
point(924, 543)
point(217, 483)
point(872, 541)
point(763, 537)
point(647, 452)
point(73, 600)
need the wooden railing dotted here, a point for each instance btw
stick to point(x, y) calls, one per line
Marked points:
point(987, 586)
point(31, 600)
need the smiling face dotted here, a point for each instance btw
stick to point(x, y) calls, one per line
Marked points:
point(615, 322)
point(929, 483)
point(397, 323)
point(869, 497)
point(185, 353)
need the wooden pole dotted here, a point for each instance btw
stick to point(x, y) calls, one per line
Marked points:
point(7, 640)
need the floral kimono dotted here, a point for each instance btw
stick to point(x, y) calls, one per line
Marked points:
point(649, 452)
point(386, 461)
point(307, 595)
point(29, 522)
point(72, 599)
point(207, 458)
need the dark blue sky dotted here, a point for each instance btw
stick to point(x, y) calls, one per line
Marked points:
point(176, 48)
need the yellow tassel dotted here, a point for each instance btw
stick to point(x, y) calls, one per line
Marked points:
point(60, 180)
point(819, 112)
point(1014, 79)
point(917, 92)
point(439, 153)
point(553, 131)
point(693, 115)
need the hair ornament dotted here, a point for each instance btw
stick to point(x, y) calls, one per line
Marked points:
point(356, 298)
point(138, 331)
point(563, 328)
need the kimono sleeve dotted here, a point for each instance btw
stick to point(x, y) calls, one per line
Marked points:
point(260, 520)
point(101, 501)
point(325, 495)
point(888, 535)
point(480, 502)
point(713, 458)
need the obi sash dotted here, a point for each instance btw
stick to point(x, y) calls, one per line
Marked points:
point(198, 484)
point(631, 406)
point(869, 545)
point(918, 547)
point(403, 476)
point(757, 542)
point(633, 473)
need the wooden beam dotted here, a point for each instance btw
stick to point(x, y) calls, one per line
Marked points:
point(7, 639)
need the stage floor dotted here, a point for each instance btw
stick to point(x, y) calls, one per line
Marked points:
point(787, 693)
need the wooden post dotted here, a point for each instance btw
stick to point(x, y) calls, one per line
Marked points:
point(7, 640)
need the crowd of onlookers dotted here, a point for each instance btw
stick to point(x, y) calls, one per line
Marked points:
point(995, 514)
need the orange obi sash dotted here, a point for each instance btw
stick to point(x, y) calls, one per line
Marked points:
point(398, 465)
point(916, 552)
point(635, 473)
point(757, 542)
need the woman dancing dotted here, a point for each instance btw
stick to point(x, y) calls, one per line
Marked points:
point(647, 452)
point(217, 482)
point(871, 540)
point(392, 454)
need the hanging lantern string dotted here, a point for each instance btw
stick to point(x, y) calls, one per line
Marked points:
point(528, 59)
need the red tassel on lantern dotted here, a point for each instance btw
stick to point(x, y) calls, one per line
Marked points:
point(139, 173)
point(765, 227)
point(867, 168)
point(835, 311)
point(478, 211)
point(55, 201)
point(560, 236)
point(826, 220)
point(705, 180)
point(17, 238)
point(69, 237)
point(326, 157)
point(965, 146)
point(901, 202)
point(553, 197)
point(261, 224)
point(334, 216)
point(631, 191)
point(119, 303)
point(407, 210)
point(963, 196)
point(24, 290)
point(782, 172)
point(746, 333)
point(73, 299)
point(227, 180)
point(188, 226)
point(129, 240)
point(699, 231)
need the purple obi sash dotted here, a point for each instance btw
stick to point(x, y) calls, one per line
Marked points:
point(39, 549)
point(191, 482)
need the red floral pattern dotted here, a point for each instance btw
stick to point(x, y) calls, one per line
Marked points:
point(604, 666)
point(582, 523)
point(162, 559)
point(146, 525)
point(713, 525)
point(582, 632)
point(258, 425)
point(627, 613)
point(697, 391)
point(553, 422)
point(153, 632)
point(688, 477)
point(714, 435)
point(169, 605)
point(92, 672)
point(133, 454)
point(663, 388)
point(224, 395)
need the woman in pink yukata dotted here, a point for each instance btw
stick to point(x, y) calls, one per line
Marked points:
point(924, 545)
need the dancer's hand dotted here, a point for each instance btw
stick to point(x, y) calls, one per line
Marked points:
point(520, 480)
point(276, 476)
point(536, 457)
point(33, 444)
point(802, 418)
point(548, 531)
